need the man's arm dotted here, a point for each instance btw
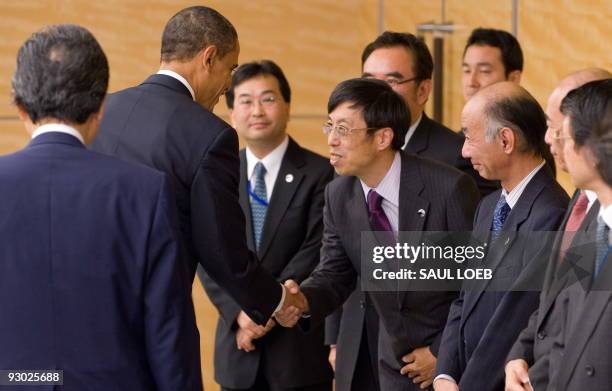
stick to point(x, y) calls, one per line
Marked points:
point(171, 336)
point(218, 229)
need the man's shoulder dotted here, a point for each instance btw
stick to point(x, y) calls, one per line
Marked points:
point(441, 132)
point(435, 170)
point(129, 174)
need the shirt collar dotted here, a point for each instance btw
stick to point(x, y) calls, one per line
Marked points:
point(271, 161)
point(513, 196)
point(591, 196)
point(179, 78)
point(606, 214)
point(388, 188)
point(60, 128)
point(411, 130)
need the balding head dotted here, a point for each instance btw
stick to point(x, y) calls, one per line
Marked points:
point(504, 125)
point(555, 118)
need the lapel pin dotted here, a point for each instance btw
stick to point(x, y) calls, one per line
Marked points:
point(507, 241)
point(289, 178)
point(421, 212)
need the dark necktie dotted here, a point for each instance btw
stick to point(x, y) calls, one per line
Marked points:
point(376, 214)
point(603, 245)
point(575, 219)
point(259, 203)
point(502, 209)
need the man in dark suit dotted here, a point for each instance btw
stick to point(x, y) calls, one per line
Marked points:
point(404, 62)
point(281, 192)
point(533, 346)
point(504, 128)
point(581, 359)
point(366, 128)
point(167, 123)
point(90, 276)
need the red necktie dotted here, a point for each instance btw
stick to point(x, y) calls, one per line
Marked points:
point(576, 218)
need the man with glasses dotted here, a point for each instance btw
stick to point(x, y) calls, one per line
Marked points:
point(404, 62)
point(382, 188)
point(281, 193)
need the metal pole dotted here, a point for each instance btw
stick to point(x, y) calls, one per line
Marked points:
point(515, 18)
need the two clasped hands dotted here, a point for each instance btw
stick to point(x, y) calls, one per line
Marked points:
point(294, 306)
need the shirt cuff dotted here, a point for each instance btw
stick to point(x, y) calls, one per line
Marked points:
point(282, 301)
point(445, 377)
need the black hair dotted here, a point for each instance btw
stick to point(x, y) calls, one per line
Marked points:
point(589, 108)
point(193, 29)
point(254, 69)
point(423, 62)
point(511, 53)
point(62, 73)
point(381, 106)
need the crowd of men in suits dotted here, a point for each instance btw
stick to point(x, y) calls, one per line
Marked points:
point(101, 245)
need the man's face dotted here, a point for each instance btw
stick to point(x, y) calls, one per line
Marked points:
point(219, 78)
point(554, 124)
point(392, 65)
point(486, 157)
point(576, 161)
point(482, 66)
point(260, 113)
point(353, 153)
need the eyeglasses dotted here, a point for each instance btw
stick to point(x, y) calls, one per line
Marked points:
point(396, 82)
point(266, 101)
point(341, 130)
point(393, 82)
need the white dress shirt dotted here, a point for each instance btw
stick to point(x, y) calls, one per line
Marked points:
point(388, 188)
point(411, 130)
point(60, 128)
point(272, 163)
point(179, 78)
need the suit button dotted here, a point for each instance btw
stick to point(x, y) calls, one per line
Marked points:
point(590, 371)
point(362, 303)
point(541, 335)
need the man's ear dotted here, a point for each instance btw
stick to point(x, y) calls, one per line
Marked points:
point(508, 140)
point(423, 91)
point(385, 138)
point(515, 76)
point(23, 115)
point(207, 56)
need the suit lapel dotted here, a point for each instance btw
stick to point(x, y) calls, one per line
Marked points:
point(287, 182)
point(413, 209)
point(509, 232)
point(244, 200)
point(560, 277)
point(420, 139)
point(593, 309)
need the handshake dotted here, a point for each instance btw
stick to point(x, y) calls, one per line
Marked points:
point(294, 306)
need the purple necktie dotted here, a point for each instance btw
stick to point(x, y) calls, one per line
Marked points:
point(376, 214)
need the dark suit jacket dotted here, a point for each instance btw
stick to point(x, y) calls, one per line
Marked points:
point(585, 357)
point(535, 342)
point(431, 140)
point(90, 279)
point(289, 249)
point(158, 124)
point(482, 325)
point(435, 141)
point(412, 319)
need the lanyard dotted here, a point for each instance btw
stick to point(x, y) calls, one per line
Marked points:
point(255, 197)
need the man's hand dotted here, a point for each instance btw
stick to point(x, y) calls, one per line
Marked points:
point(421, 366)
point(517, 377)
point(244, 341)
point(332, 356)
point(445, 385)
point(252, 329)
point(294, 306)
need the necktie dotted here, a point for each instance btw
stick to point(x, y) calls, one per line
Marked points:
point(603, 244)
point(575, 219)
point(259, 204)
point(376, 214)
point(502, 209)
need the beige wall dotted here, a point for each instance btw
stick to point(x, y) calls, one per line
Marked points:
point(318, 43)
